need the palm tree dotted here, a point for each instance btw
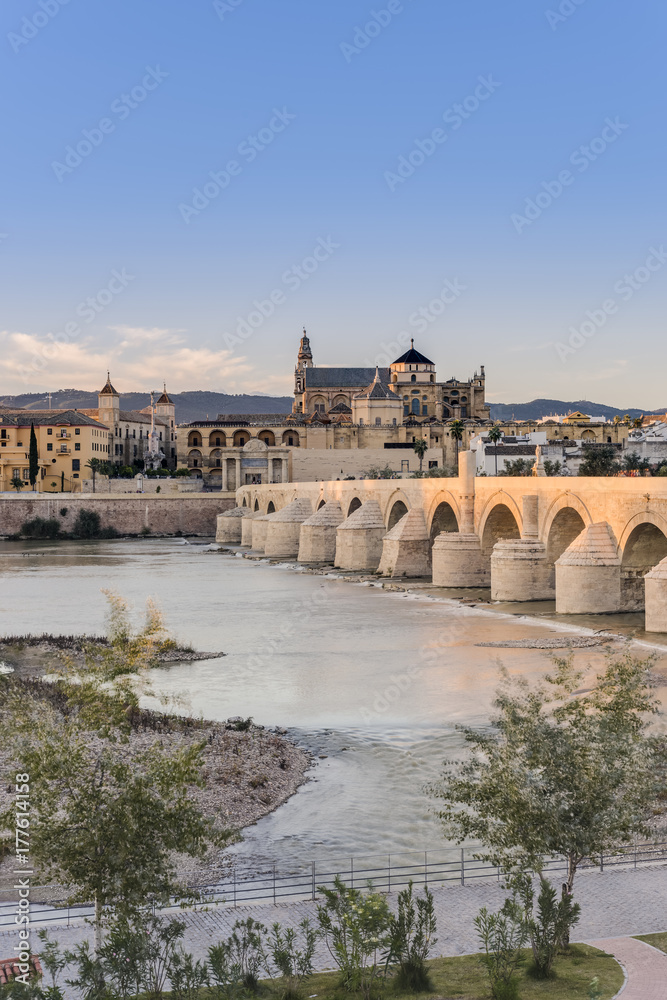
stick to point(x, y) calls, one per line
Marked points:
point(495, 434)
point(456, 429)
point(638, 421)
point(94, 465)
point(421, 447)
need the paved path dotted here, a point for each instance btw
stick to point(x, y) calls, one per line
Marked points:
point(645, 967)
point(615, 904)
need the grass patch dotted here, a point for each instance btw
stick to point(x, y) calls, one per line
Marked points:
point(465, 979)
point(658, 941)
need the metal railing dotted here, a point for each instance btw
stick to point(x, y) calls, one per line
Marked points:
point(387, 872)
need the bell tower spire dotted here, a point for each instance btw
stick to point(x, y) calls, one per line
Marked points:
point(305, 355)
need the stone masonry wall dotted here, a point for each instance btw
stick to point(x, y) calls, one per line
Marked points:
point(191, 515)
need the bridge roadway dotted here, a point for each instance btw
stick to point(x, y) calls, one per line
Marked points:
point(588, 542)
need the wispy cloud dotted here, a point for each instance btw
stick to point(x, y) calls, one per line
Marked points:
point(139, 358)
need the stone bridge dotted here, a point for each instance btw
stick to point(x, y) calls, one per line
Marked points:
point(593, 544)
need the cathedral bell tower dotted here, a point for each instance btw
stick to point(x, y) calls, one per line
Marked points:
point(304, 360)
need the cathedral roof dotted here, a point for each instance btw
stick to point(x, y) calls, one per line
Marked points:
point(413, 357)
point(377, 390)
point(342, 378)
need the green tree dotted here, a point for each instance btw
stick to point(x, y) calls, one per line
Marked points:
point(564, 770)
point(420, 447)
point(494, 436)
point(551, 468)
point(456, 429)
point(518, 467)
point(17, 483)
point(599, 461)
point(106, 817)
point(33, 457)
point(94, 464)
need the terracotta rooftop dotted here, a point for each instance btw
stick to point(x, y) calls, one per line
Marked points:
point(9, 968)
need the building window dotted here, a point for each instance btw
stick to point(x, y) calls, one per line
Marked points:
point(77, 446)
point(415, 407)
point(424, 410)
point(76, 464)
point(217, 463)
point(135, 451)
point(393, 421)
point(49, 447)
point(413, 378)
point(319, 407)
point(134, 433)
point(75, 475)
point(378, 421)
point(77, 430)
point(49, 431)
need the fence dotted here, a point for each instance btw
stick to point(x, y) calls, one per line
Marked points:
point(388, 873)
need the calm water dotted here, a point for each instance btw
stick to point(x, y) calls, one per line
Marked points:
point(373, 683)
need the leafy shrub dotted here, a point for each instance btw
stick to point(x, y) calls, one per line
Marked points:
point(549, 927)
point(294, 963)
point(356, 929)
point(411, 937)
point(86, 524)
point(40, 527)
point(187, 975)
point(502, 935)
point(63, 511)
point(182, 472)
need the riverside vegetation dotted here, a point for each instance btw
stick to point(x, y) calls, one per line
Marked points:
point(377, 953)
point(122, 797)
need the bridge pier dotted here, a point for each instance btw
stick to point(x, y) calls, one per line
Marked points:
point(405, 549)
point(259, 528)
point(655, 583)
point(359, 539)
point(283, 529)
point(317, 538)
point(228, 527)
point(519, 568)
point(457, 555)
point(588, 574)
point(246, 526)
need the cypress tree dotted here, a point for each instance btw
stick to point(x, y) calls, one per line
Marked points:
point(33, 457)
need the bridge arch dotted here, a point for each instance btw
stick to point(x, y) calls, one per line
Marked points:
point(355, 504)
point(395, 508)
point(271, 508)
point(321, 503)
point(256, 507)
point(501, 519)
point(443, 514)
point(642, 546)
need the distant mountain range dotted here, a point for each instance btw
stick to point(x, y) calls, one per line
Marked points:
point(548, 407)
point(197, 405)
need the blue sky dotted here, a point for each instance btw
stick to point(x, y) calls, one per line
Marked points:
point(531, 146)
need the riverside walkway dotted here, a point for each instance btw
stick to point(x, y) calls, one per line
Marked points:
point(615, 904)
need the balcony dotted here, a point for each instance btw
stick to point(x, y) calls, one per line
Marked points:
point(64, 450)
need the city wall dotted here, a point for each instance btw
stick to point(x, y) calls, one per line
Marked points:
point(127, 513)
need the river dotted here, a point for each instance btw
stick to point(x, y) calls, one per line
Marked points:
point(374, 683)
